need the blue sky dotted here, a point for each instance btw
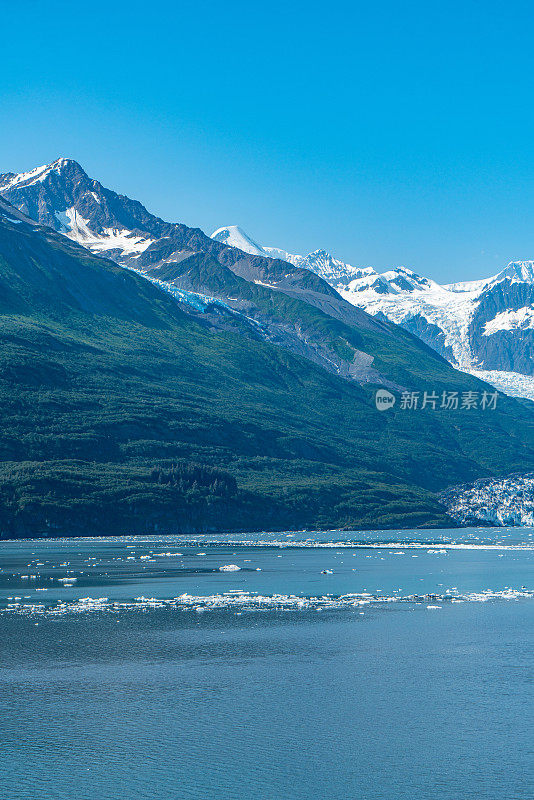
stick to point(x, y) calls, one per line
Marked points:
point(389, 134)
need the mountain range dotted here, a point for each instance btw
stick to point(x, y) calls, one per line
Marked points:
point(155, 378)
point(286, 304)
point(485, 327)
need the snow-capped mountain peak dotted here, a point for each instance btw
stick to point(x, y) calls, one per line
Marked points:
point(339, 274)
point(62, 196)
point(393, 281)
point(323, 263)
point(518, 271)
point(13, 180)
point(234, 236)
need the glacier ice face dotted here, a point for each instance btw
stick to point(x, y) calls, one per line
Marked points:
point(513, 384)
point(496, 501)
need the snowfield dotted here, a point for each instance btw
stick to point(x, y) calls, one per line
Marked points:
point(508, 320)
point(77, 228)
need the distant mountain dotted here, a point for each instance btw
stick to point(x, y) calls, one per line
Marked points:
point(335, 272)
point(124, 410)
point(235, 237)
point(485, 327)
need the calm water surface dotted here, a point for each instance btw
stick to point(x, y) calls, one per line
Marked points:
point(383, 666)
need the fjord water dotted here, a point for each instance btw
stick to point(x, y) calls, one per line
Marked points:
point(335, 665)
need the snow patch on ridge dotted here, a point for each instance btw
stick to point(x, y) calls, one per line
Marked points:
point(449, 310)
point(75, 227)
point(39, 173)
point(509, 320)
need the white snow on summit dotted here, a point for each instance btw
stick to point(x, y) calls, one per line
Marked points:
point(518, 271)
point(401, 296)
point(36, 175)
point(233, 236)
point(275, 252)
point(449, 307)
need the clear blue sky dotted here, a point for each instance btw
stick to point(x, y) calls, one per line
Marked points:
point(389, 133)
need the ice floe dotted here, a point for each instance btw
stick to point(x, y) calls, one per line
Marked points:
point(243, 600)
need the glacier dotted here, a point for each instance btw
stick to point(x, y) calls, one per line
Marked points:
point(500, 502)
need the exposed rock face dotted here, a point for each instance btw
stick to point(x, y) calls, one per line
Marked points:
point(431, 334)
point(501, 333)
